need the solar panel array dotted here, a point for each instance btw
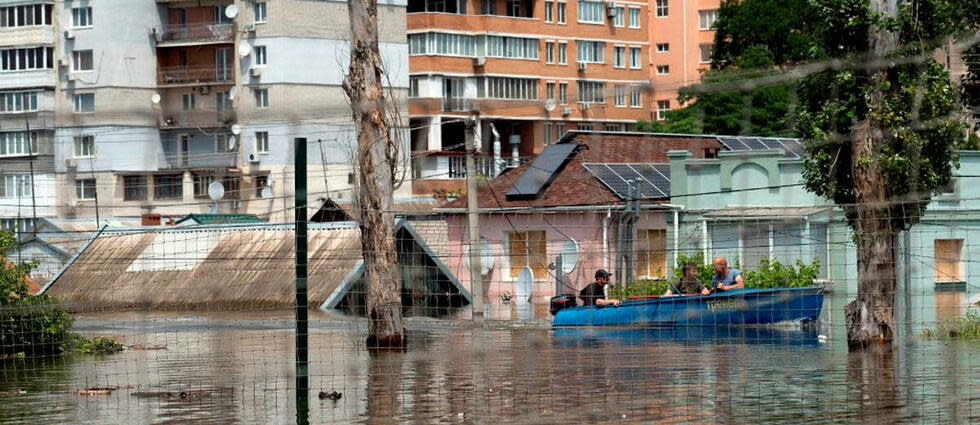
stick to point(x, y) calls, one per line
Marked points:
point(653, 180)
point(541, 171)
point(792, 147)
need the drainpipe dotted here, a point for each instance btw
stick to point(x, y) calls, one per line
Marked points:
point(677, 228)
point(605, 239)
point(704, 239)
point(498, 164)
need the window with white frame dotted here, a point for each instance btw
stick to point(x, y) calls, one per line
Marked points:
point(26, 59)
point(549, 52)
point(25, 15)
point(134, 188)
point(620, 95)
point(85, 189)
point(635, 57)
point(413, 86)
point(84, 146)
point(261, 98)
point(562, 6)
point(81, 17)
point(81, 60)
point(591, 12)
point(619, 56)
point(260, 57)
point(708, 18)
point(549, 91)
point(19, 101)
point(548, 134)
point(634, 17)
point(188, 101)
point(586, 127)
point(15, 185)
point(512, 47)
point(662, 8)
point(559, 130)
point(591, 92)
point(562, 53)
point(663, 69)
point(16, 143)
point(511, 88)
point(84, 102)
point(619, 16)
point(663, 106)
point(549, 11)
point(636, 97)
point(262, 141)
point(258, 8)
point(444, 44)
point(616, 127)
point(562, 93)
point(514, 8)
point(705, 50)
point(663, 47)
point(590, 51)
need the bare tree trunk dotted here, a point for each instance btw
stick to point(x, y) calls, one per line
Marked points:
point(376, 162)
point(870, 317)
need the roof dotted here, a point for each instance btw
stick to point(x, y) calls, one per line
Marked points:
point(765, 212)
point(574, 185)
point(334, 210)
point(221, 218)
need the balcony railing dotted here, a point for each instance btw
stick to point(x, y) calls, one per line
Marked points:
point(452, 165)
point(202, 32)
point(198, 160)
point(188, 75)
point(203, 119)
point(456, 104)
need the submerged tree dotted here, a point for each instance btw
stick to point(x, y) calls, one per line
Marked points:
point(880, 126)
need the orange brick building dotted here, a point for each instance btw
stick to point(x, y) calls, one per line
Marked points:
point(681, 37)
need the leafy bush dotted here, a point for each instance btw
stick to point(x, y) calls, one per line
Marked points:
point(773, 274)
point(966, 327)
point(97, 345)
point(639, 288)
point(705, 271)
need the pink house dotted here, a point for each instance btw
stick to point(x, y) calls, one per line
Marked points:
point(570, 200)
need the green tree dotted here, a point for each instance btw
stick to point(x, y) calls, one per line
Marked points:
point(880, 128)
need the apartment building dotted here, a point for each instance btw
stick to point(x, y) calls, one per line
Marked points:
point(526, 71)
point(137, 106)
point(681, 37)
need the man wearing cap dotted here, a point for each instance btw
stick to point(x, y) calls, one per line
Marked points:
point(596, 293)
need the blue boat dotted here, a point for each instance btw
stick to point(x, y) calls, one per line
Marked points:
point(734, 307)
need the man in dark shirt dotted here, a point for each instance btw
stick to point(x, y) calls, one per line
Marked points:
point(595, 292)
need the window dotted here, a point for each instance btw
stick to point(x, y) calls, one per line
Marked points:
point(549, 52)
point(514, 8)
point(559, 130)
point(262, 141)
point(662, 107)
point(84, 146)
point(634, 17)
point(635, 57)
point(14, 102)
point(616, 127)
point(25, 15)
point(259, 10)
point(260, 58)
point(260, 183)
point(708, 18)
point(134, 188)
point(562, 93)
point(590, 51)
point(528, 249)
point(561, 12)
point(15, 225)
point(549, 91)
point(706, 52)
point(619, 57)
point(948, 254)
point(84, 102)
point(511, 88)
point(222, 103)
point(651, 253)
point(562, 52)
point(168, 186)
point(663, 47)
point(413, 86)
point(591, 91)
point(586, 127)
point(547, 134)
point(636, 97)
point(437, 43)
point(949, 188)
point(663, 69)
point(81, 17)
point(591, 12)
point(15, 185)
point(27, 59)
point(188, 101)
point(201, 183)
point(232, 185)
point(548, 11)
point(620, 95)
point(81, 60)
point(662, 8)
point(512, 47)
point(85, 189)
point(18, 143)
point(618, 16)
point(262, 98)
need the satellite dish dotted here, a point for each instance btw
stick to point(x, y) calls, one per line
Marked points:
point(569, 255)
point(549, 105)
point(231, 143)
point(232, 93)
point(244, 49)
point(487, 256)
point(266, 192)
point(216, 191)
point(155, 98)
point(231, 11)
point(236, 129)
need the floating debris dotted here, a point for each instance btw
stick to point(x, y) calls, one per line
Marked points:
point(333, 395)
point(139, 347)
point(181, 395)
point(13, 392)
point(96, 391)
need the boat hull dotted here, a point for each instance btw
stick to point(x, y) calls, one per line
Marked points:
point(735, 307)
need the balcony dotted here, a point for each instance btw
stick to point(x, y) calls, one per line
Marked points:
point(204, 119)
point(456, 104)
point(179, 35)
point(183, 75)
point(451, 165)
point(198, 160)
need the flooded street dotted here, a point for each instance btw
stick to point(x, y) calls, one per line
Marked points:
point(237, 368)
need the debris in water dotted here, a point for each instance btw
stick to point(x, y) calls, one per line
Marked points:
point(333, 395)
point(182, 395)
point(13, 392)
point(139, 347)
point(96, 391)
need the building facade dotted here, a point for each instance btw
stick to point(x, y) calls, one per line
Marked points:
point(681, 38)
point(526, 71)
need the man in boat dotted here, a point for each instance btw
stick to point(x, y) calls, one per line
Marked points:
point(596, 293)
point(689, 284)
point(725, 278)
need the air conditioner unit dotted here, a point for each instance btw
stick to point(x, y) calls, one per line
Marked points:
point(69, 76)
point(582, 66)
point(255, 72)
point(584, 107)
point(62, 63)
point(253, 158)
point(250, 27)
point(480, 61)
point(168, 122)
point(69, 34)
point(70, 163)
point(155, 33)
point(611, 10)
point(566, 111)
point(204, 90)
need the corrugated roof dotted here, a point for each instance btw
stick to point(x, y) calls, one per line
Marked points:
point(221, 218)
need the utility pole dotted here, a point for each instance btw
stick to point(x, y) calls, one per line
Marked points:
point(30, 157)
point(473, 221)
point(302, 329)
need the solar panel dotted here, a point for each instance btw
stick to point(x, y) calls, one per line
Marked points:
point(631, 175)
point(732, 143)
point(653, 180)
point(608, 178)
point(791, 147)
point(794, 146)
point(541, 171)
point(754, 143)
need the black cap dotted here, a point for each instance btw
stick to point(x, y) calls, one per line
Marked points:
point(602, 273)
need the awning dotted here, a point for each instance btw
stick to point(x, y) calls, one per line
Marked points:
point(764, 213)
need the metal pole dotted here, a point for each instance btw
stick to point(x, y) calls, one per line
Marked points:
point(473, 218)
point(302, 331)
point(30, 148)
point(559, 275)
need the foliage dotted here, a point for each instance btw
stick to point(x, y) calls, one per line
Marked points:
point(705, 270)
point(773, 274)
point(781, 27)
point(965, 327)
point(970, 83)
point(640, 287)
point(97, 345)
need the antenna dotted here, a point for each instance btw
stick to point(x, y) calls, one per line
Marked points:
point(236, 129)
point(231, 11)
point(231, 143)
point(216, 191)
point(266, 192)
point(244, 49)
point(155, 98)
point(549, 105)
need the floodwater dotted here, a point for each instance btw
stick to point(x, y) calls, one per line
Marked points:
point(237, 367)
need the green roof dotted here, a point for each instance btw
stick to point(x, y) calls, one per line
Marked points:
point(222, 218)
